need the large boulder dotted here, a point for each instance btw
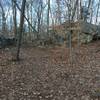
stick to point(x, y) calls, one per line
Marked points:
point(6, 41)
point(2, 41)
point(83, 37)
point(86, 38)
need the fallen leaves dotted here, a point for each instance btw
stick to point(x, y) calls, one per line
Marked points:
point(47, 74)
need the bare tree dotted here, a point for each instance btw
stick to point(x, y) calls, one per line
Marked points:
point(48, 14)
point(21, 29)
point(97, 12)
point(3, 18)
point(91, 11)
point(14, 17)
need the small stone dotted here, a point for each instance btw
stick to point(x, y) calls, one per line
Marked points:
point(85, 97)
point(25, 93)
point(34, 93)
point(40, 97)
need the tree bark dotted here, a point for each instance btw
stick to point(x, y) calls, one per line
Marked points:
point(48, 13)
point(21, 29)
point(97, 12)
point(3, 18)
point(14, 18)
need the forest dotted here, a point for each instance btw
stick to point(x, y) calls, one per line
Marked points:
point(49, 49)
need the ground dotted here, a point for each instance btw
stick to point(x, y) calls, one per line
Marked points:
point(51, 73)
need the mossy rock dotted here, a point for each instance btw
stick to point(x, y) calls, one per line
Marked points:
point(86, 38)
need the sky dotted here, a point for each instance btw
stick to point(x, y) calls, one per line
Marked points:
point(7, 2)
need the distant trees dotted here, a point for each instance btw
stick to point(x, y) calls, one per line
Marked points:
point(40, 15)
point(3, 18)
point(39, 12)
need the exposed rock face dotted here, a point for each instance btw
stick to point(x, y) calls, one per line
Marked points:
point(83, 31)
point(86, 38)
point(6, 41)
point(83, 38)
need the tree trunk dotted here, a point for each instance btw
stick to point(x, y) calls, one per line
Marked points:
point(14, 18)
point(97, 12)
point(21, 29)
point(48, 13)
point(3, 18)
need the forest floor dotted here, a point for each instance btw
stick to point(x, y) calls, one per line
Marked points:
point(51, 73)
